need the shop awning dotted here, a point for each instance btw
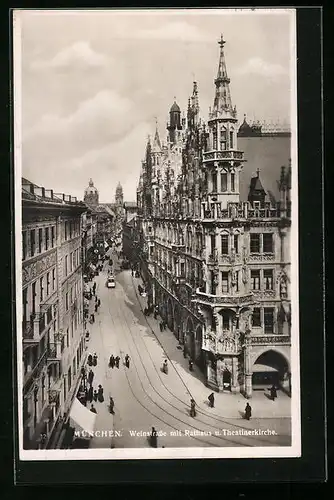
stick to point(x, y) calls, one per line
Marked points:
point(82, 417)
point(258, 368)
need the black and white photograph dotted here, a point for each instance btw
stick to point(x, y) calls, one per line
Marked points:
point(156, 232)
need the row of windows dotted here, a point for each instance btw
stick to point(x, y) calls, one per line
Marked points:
point(37, 241)
point(37, 293)
point(266, 283)
point(223, 182)
point(262, 317)
point(223, 143)
point(71, 295)
point(71, 229)
point(71, 262)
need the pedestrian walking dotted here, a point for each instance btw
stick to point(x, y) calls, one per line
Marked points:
point(184, 351)
point(117, 360)
point(154, 438)
point(98, 303)
point(92, 318)
point(112, 361)
point(165, 367)
point(211, 399)
point(192, 408)
point(191, 365)
point(95, 298)
point(90, 376)
point(161, 326)
point(111, 405)
point(100, 396)
point(95, 395)
point(96, 306)
point(95, 359)
point(90, 394)
point(273, 392)
point(83, 371)
point(248, 411)
point(127, 361)
point(90, 360)
point(93, 409)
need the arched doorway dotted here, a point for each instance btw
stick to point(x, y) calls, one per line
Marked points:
point(271, 367)
point(227, 380)
point(190, 339)
point(199, 358)
point(170, 320)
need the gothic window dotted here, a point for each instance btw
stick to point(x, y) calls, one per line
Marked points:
point(236, 243)
point(214, 182)
point(223, 138)
point(268, 243)
point(255, 243)
point(66, 301)
point(214, 139)
point(223, 182)
point(232, 182)
point(224, 244)
point(268, 279)
point(225, 288)
point(33, 296)
point(255, 279)
point(231, 140)
point(268, 320)
point(256, 317)
point(226, 321)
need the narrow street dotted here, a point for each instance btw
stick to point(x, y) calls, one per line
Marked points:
point(145, 396)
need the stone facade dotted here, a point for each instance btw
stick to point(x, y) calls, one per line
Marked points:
point(217, 266)
point(52, 309)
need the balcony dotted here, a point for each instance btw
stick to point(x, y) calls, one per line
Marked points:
point(35, 372)
point(33, 330)
point(270, 339)
point(223, 300)
point(223, 155)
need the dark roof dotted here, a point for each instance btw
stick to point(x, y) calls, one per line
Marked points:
point(255, 184)
point(175, 108)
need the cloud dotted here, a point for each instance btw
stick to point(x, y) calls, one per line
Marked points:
point(179, 31)
point(80, 54)
point(106, 114)
point(258, 66)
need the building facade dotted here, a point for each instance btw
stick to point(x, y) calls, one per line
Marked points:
point(217, 266)
point(52, 310)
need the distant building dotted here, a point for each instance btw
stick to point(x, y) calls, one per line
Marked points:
point(52, 310)
point(263, 129)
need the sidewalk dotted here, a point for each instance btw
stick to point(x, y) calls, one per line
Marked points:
point(227, 405)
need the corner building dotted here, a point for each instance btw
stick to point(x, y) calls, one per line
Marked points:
point(217, 266)
point(52, 311)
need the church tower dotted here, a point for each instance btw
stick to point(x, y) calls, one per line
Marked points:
point(91, 196)
point(119, 195)
point(174, 126)
point(222, 160)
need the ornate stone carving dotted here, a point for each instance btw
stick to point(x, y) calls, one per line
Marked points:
point(33, 270)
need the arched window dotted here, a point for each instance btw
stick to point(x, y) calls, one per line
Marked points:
point(231, 139)
point(223, 138)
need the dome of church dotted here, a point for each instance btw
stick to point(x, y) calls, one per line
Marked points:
point(91, 189)
point(175, 108)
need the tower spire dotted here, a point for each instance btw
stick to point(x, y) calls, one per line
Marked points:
point(222, 106)
point(156, 142)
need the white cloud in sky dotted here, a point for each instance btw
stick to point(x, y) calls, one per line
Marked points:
point(78, 54)
point(258, 66)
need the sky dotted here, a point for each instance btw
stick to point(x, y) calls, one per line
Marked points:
point(93, 84)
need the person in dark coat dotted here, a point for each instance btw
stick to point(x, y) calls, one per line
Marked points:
point(161, 326)
point(127, 361)
point(92, 409)
point(100, 396)
point(117, 360)
point(90, 394)
point(165, 367)
point(95, 395)
point(90, 377)
point(92, 318)
point(273, 392)
point(111, 405)
point(248, 411)
point(154, 438)
point(211, 399)
point(191, 365)
point(192, 408)
point(95, 298)
point(98, 303)
point(96, 306)
point(95, 359)
point(83, 371)
point(90, 360)
point(112, 361)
